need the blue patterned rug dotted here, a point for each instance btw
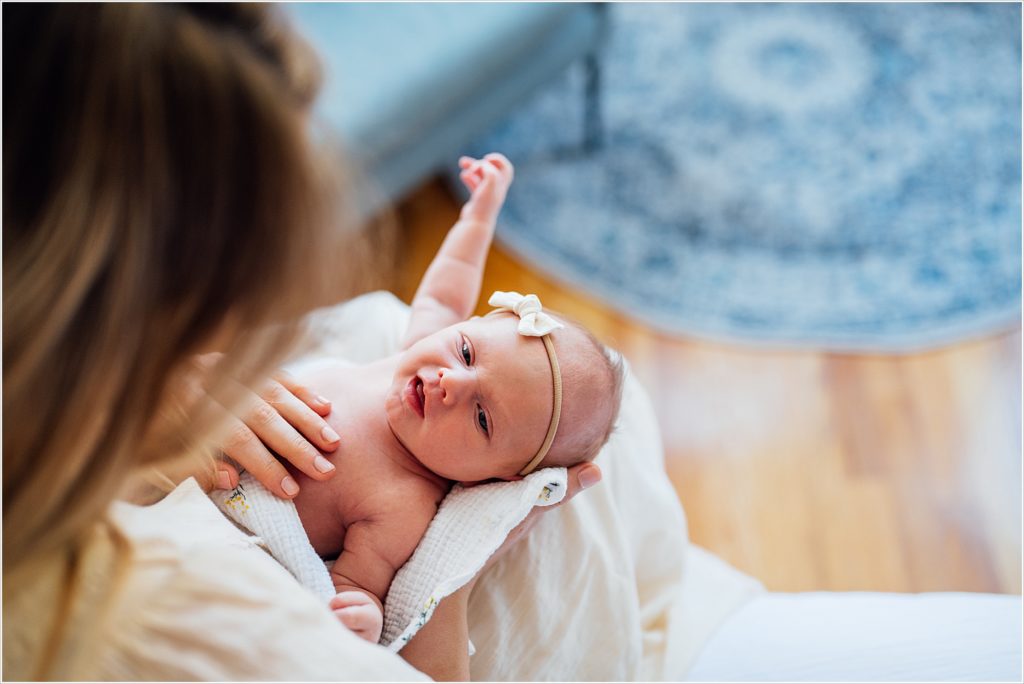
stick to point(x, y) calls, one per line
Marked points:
point(843, 177)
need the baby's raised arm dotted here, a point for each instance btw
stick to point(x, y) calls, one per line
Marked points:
point(451, 286)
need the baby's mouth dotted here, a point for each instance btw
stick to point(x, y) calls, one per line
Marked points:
point(415, 397)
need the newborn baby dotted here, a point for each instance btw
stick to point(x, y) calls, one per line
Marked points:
point(468, 401)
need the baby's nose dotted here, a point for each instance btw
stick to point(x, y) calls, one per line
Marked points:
point(453, 383)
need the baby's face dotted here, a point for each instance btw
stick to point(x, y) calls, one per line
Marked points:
point(473, 401)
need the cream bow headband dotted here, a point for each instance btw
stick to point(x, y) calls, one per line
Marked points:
point(533, 322)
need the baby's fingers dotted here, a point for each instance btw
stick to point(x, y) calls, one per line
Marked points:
point(358, 618)
point(487, 176)
point(345, 599)
point(502, 163)
point(471, 174)
point(471, 179)
point(242, 444)
point(359, 613)
point(481, 171)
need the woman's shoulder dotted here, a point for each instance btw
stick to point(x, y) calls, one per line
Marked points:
point(205, 601)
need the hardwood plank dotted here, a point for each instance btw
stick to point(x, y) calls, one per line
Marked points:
point(812, 471)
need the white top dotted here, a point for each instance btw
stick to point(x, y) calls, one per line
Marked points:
point(197, 600)
point(206, 602)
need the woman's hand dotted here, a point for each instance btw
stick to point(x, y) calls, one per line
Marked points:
point(581, 476)
point(284, 416)
point(440, 648)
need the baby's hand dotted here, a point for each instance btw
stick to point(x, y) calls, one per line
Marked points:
point(360, 613)
point(488, 180)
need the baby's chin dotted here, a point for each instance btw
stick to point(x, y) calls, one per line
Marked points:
point(393, 412)
point(394, 409)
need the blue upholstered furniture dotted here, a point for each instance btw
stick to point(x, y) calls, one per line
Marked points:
point(409, 85)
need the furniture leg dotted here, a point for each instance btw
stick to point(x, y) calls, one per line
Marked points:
point(593, 130)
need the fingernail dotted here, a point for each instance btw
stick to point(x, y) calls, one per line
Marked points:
point(223, 480)
point(590, 477)
point(323, 465)
point(329, 434)
point(323, 400)
point(290, 486)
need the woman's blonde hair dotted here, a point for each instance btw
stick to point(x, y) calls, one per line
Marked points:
point(160, 191)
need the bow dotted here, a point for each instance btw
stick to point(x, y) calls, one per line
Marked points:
point(533, 322)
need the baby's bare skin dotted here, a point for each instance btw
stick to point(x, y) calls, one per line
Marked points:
point(373, 469)
point(373, 513)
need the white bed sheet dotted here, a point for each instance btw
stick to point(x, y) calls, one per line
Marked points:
point(860, 636)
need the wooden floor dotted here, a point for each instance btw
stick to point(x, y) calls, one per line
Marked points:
point(813, 471)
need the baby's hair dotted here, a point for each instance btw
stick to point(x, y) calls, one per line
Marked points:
point(613, 367)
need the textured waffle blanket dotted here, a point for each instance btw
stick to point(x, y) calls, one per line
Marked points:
point(470, 525)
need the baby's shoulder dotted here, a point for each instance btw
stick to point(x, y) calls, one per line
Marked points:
point(411, 503)
point(401, 517)
point(413, 498)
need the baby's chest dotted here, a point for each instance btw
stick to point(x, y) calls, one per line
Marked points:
point(385, 501)
point(361, 493)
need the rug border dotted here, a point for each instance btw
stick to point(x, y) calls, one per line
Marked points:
point(989, 324)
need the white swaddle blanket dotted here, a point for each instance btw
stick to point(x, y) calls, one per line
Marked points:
point(470, 524)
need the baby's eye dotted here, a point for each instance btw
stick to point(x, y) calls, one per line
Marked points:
point(465, 353)
point(482, 419)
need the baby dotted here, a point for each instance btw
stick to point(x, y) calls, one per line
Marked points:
point(469, 401)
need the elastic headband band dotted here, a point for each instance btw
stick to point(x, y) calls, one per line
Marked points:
point(556, 412)
point(533, 322)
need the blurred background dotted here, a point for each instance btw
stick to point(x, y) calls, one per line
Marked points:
point(801, 224)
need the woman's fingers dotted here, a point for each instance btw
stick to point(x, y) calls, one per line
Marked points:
point(245, 447)
point(226, 476)
point(320, 404)
point(581, 476)
point(285, 421)
point(297, 412)
point(271, 421)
